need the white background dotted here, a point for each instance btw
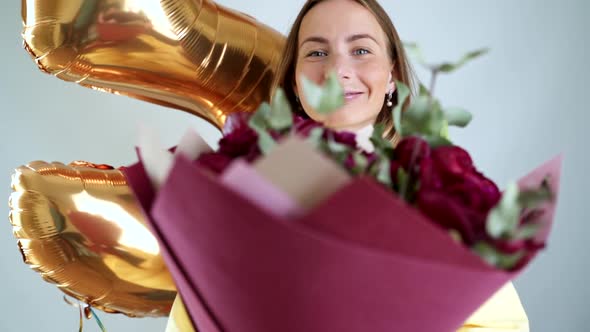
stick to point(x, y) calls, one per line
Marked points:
point(528, 97)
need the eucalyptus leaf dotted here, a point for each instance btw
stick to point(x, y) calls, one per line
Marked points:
point(403, 181)
point(332, 95)
point(435, 120)
point(259, 120)
point(312, 92)
point(527, 231)
point(281, 115)
point(324, 99)
point(315, 136)
point(403, 92)
point(423, 90)
point(504, 217)
point(495, 258)
point(436, 141)
point(265, 142)
point(361, 162)
point(533, 198)
point(384, 172)
point(457, 116)
point(377, 139)
point(444, 132)
point(423, 117)
point(336, 147)
point(415, 52)
point(450, 67)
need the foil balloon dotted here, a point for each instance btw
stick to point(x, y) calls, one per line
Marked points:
point(192, 55)
point(80, 227)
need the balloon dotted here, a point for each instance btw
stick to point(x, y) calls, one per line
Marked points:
point(192, 55)
point(81, 228)
point(79, 225)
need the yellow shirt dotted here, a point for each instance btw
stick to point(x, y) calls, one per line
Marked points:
point(503, 312)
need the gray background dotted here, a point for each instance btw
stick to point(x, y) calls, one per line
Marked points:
point(528, 97)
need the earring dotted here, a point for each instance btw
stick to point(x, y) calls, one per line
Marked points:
point(389, 97)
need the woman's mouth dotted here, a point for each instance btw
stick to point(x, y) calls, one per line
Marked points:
point(351, 95)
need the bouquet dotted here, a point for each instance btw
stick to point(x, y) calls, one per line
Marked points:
point(290, 226)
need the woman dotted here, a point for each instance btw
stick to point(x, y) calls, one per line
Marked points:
point(357, 40)
point(367, 56)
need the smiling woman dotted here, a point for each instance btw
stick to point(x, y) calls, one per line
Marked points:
point(358, 41)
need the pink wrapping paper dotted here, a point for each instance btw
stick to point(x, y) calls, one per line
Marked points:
point(360, 261)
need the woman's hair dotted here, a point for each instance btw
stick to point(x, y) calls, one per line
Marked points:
point(402, 71)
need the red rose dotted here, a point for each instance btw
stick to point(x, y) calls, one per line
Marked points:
point(241, 142)
point(214, 161)
point(449, 213)
point(410, 152)
point(454, 194)
point(343, 137)
point(305, 126)
point(452, 162)
point(235, 121)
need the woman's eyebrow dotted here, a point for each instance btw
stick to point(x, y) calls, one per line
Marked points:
point(316, 39)
point(361, 36)
point(350, 39)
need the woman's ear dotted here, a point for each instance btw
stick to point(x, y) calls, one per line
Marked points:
point(391, 83)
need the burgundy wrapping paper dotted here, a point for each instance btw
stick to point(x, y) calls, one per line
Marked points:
point(361, 261)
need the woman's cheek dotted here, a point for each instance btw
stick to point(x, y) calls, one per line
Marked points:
point(312, 71)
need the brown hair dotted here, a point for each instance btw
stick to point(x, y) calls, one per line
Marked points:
point(401, 67)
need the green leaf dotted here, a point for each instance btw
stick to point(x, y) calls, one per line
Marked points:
point(495, 258)
point(403, 181)
point(450, 67)
point(415, 52)
point(403, 92)
point(332, 96)
point(444, 132)
point(281, 115)
point(337, 148)
point(315, 136)
point(436, 141)
point(533, 198)
point(265, 142)
point(312, 92)
point(361, 162)
point(503, 218)
point(527, 231)
point(324, 99)
point(259, 123)
point(384, 172)
point(423, 117)
point(457, 117)
point(423, 90)
point(377, 139)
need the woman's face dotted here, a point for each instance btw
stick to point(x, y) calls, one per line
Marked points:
point(343, 36)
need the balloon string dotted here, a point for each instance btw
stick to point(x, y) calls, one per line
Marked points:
point(85, 310)
point(102, 328)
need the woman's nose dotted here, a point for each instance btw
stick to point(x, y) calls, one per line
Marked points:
point(340, 65)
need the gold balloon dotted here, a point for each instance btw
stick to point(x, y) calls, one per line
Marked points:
point(192, 55)
point(80, 227)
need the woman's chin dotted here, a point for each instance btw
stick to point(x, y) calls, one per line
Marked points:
point(347, 120)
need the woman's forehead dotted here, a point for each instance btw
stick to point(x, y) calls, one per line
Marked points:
point(339, 18)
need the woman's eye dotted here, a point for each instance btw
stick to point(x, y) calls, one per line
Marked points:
point(361, 51)
point(317, 53)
